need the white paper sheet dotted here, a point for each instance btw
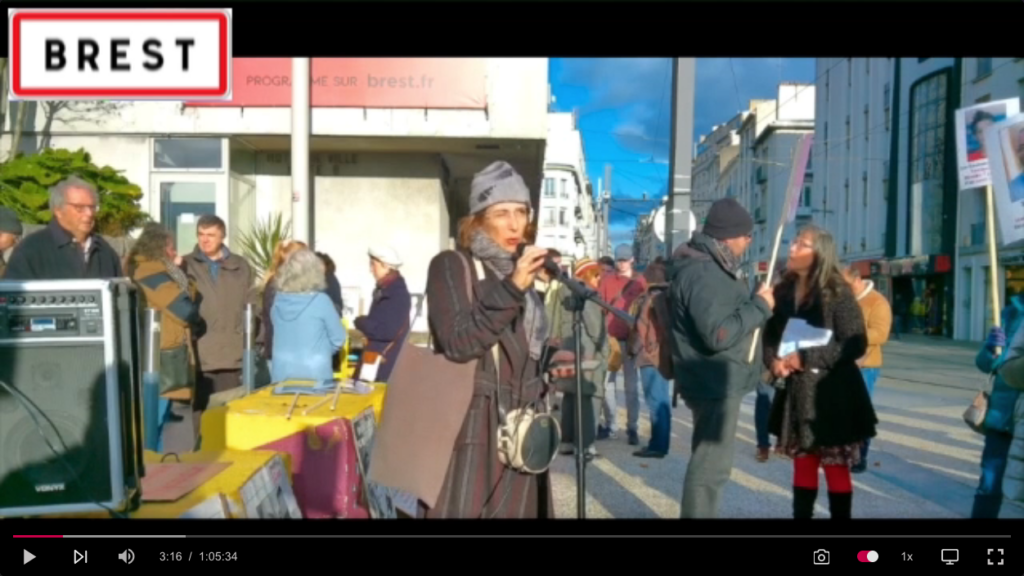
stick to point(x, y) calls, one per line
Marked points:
point(799, 335)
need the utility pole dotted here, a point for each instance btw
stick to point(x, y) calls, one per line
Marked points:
point(677, 225)
point(301, 201)
point(605, 206)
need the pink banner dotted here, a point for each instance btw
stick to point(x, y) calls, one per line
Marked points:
point(453, 83)
point(325, 470)
point(796, 177)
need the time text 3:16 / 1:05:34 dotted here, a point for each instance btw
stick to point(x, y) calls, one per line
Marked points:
point(198, 556)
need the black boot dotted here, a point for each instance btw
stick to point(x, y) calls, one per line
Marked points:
point(840, 505)
point(803, 502)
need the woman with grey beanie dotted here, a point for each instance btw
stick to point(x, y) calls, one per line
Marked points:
point(504, 310)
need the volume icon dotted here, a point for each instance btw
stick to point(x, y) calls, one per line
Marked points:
point(127, 556)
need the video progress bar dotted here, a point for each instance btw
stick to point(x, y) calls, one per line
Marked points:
point(132, 536)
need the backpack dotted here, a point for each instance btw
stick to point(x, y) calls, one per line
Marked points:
point(656, 305)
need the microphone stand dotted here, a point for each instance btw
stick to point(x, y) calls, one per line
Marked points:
point(580, 295)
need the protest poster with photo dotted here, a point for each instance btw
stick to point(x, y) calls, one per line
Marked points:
point(1004, 143)
point(378, 498)
point(971, 149)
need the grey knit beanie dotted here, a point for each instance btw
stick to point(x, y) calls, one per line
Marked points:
point(495, 184)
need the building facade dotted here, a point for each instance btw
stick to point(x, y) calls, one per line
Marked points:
point(984, 80)
point(391, 161)
point(714, 152)
point(566, 215)
point(853, 134)
point(917, 273)
point(771, 134)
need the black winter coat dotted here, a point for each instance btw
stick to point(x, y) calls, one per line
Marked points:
point(714, 317)
point(827, 404)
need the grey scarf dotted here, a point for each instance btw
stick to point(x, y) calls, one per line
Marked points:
point(177, 274)
point(725, 255)
point(503, 263)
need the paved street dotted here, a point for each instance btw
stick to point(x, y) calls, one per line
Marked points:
point(923, 464)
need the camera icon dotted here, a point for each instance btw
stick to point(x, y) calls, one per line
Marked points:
point(821, 557)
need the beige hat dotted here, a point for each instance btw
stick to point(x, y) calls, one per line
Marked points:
point(387, 255)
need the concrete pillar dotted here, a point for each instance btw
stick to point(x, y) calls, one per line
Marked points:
point(301, 192)
point(678, 227)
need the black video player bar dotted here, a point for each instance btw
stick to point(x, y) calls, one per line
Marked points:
point(977, 555)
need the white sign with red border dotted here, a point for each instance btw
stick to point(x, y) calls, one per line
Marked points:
point(133, 54)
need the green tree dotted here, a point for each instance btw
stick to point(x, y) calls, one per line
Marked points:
point(258, 244)
point(26, 179)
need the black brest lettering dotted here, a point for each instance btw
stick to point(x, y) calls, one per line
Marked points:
point(117, 55)
point(185, 44)
point(55, 52)
point(151, 48)
point(88, 50)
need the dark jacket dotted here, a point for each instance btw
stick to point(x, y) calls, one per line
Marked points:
point(387, 324)
point(464, 329)
point(333, 292)
point(827, 404)
point(52, 254)
point(1003, 401)
point(713, 319)
point(225, 287)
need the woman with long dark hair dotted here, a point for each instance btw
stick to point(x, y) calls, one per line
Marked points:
point(824, 413)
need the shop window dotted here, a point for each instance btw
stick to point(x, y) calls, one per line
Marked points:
point(188, 154)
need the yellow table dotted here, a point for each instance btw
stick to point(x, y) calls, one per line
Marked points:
point(261, 418)
point(229, 482)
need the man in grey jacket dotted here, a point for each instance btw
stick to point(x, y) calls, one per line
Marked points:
point(714, 318)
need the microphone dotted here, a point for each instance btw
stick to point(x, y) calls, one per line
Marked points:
point(550, 266)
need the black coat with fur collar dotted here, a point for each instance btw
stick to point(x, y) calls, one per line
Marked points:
point(827, 404)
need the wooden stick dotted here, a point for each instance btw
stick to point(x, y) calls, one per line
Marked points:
point(767, 282)
point(337, 394)
point(292, 408)
point(993, 258)
point(315, 406)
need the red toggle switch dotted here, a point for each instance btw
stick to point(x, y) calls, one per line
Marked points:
point(867, 556)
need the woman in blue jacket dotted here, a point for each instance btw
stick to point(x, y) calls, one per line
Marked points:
point(307, 327)
point(999, 417)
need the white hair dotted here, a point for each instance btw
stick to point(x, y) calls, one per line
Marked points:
point(301, 272)
point(59, 192)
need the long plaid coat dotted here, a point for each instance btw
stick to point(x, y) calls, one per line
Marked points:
point(477, 485)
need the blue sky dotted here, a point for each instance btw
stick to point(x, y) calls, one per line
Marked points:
point(625, 113)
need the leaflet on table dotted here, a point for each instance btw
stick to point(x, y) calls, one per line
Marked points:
point(799, 335)
point(214, 507)
point(324, 388)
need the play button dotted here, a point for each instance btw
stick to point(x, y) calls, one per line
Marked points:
point(28, 556)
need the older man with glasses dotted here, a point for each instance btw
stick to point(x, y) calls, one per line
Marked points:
point(68, 248)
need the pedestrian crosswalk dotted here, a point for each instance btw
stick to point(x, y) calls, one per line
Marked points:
point(924, 463)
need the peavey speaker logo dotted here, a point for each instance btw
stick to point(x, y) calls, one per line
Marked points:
point(120, 54)
point(45, 488)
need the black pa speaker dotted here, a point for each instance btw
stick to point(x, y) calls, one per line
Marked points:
point(70, 414)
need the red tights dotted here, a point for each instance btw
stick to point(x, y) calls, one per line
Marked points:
point(806, 475)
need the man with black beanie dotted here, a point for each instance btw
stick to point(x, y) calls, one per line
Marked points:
point(714, 318)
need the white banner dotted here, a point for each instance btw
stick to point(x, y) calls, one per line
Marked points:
point(1004, 143)
point(971, 124)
